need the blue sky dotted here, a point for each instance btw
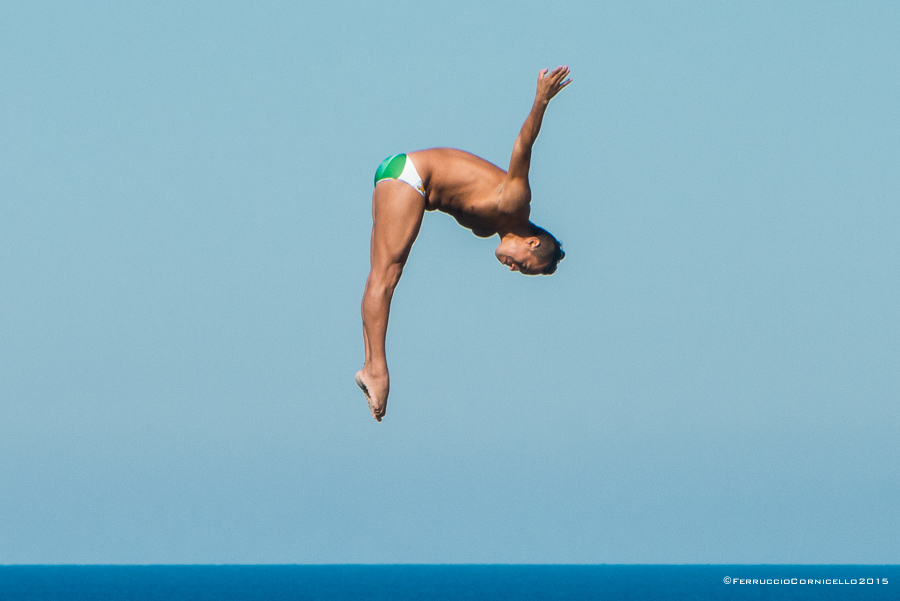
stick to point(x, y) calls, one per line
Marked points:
point(710, 377)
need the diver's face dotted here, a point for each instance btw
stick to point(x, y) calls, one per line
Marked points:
point(516, 254)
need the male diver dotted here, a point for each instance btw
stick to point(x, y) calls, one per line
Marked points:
point(479, 195)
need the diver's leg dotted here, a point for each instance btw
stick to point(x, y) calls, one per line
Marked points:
point(397, 211)
point(371, 254)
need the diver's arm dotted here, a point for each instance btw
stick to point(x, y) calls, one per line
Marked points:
point(516, 189)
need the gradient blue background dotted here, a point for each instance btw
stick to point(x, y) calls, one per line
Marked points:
point(710, 377)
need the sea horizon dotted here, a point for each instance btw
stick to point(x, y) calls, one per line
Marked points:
point(440, 582)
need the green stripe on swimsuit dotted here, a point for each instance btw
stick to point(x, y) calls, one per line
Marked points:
point(391, 167)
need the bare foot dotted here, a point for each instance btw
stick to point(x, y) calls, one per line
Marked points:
point(376, 391)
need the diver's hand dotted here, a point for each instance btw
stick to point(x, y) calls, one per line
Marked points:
point(550, 83)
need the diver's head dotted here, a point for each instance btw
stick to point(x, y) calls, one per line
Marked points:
point(535, 253)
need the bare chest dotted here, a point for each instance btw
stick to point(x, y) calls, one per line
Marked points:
point(481, 225)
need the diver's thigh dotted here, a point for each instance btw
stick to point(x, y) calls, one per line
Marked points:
point(397, 211)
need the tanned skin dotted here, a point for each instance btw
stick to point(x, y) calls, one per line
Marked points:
point(479, 195)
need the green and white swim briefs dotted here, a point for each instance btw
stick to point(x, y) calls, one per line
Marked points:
point(400, 167)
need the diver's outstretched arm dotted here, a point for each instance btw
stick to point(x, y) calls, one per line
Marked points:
point(548, 86)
